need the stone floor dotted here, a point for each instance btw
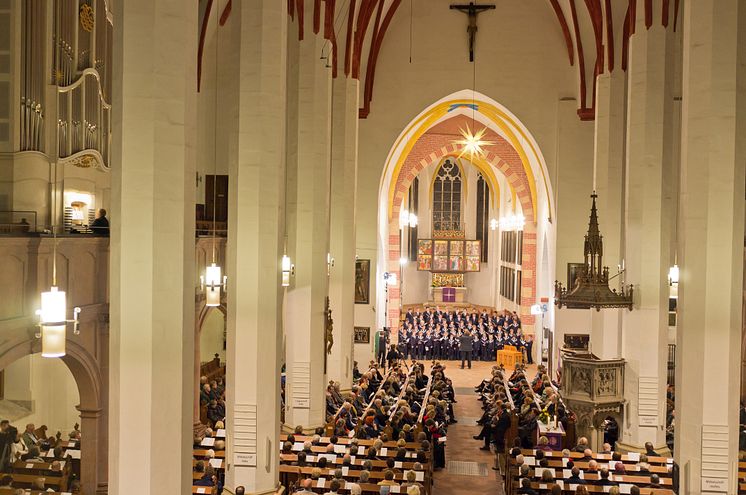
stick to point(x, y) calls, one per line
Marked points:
point(461, 447)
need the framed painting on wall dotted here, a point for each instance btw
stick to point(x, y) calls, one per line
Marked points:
point(473, 263)
point(362, 282)
point(573, 271)
point(424, 254)
point(362, 335)
point(474, 248)
point(440, 256)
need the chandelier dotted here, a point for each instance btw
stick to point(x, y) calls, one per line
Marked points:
point(591, 285)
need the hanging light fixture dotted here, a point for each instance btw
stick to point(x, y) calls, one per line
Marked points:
point(53, 311)
point(512, 222)
point(472, 142)
point(213, 282)
point(673, 275)
point(412, 220)
point(403, 219)
point(287, 268)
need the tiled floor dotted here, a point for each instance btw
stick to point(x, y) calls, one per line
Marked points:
point(461, 446)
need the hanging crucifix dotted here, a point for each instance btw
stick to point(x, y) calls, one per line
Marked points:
point(472, 10)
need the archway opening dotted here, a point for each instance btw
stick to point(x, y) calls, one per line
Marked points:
point(504, 201)
point(42, 400)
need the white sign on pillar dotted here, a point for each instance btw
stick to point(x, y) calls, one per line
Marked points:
point(647, 401)
point(715, 461)
point(301, 385)
point(244, 434)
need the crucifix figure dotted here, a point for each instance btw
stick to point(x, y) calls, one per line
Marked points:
point(472, 10)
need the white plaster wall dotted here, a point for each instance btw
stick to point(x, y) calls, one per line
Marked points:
point(53, 392)
point(211, 336)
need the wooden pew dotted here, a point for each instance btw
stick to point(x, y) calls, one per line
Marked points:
point(377, 463)
point(570, 489)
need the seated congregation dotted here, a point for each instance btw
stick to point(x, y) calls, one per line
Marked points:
point(208, 454)
point(533, 435)
point(32, 462)
point(387, 436)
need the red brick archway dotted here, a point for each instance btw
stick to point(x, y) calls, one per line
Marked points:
point(430, 148)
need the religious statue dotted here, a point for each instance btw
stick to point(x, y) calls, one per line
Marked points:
point(329, 329)
point(472, 10)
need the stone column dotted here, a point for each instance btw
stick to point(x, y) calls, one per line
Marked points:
point(90, 421)
point(647, 233)
point(606, 328)
point(711, 245)
point(152, 249)
point(309, 239)
point(255, 68)
point(342, 238)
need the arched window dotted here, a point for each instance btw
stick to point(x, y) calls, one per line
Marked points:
point(447, 197)
point(483, 215)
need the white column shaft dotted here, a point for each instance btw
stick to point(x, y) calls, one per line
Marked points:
point(711, 255)
point(342, 238)
point(152, 249)
point(257, 31)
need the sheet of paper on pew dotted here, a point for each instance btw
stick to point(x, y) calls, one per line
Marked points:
point(419, 476)
point(361, 450)
point(395, 489)
point(202, 489)
point(529, 461)
point(339, 449)
point(297, 447)
point(311, 458)
point(216, 463)
point(330, 457)
point(538, 472)
point(566, 473)
point(345, 470)
point(633, 456)
point(207, 442)
point(625, 488)
point(220, 433)
point(398, 464)
point(75, 454)
point(384, 451)
point(321, 483)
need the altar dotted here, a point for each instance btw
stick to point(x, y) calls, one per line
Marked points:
point(553, 433)
point(448, 294)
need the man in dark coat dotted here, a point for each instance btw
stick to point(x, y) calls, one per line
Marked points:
point(465, 347)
